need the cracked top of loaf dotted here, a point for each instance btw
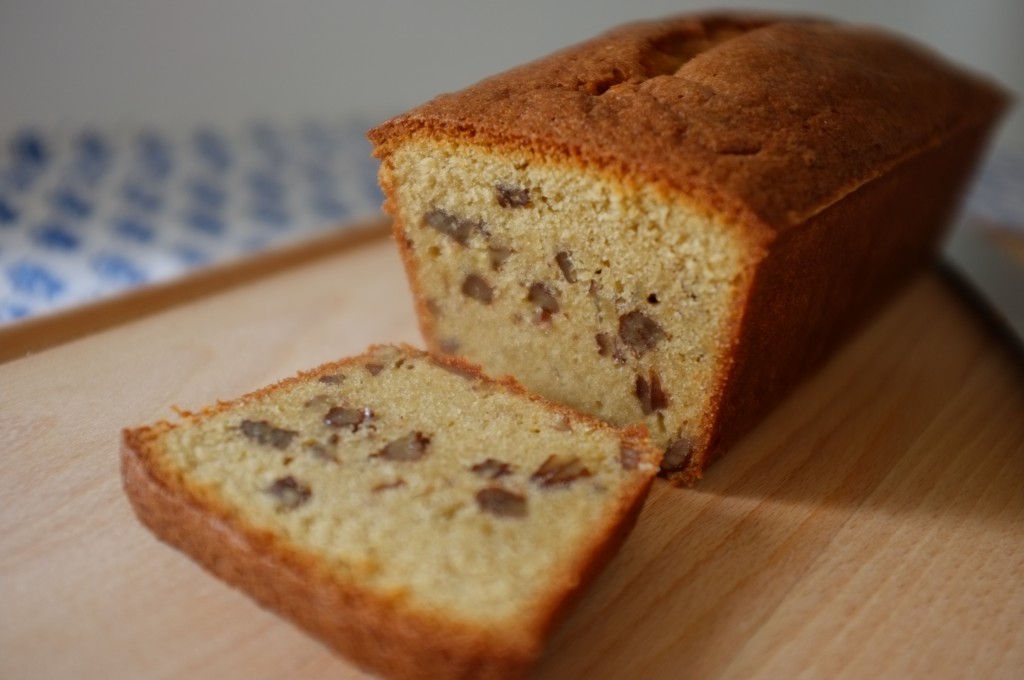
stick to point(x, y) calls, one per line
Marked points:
point(763, 119)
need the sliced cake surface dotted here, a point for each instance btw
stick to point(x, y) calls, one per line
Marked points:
point(673, 223)
point(423, 520)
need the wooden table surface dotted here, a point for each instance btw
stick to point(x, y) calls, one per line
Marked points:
point(872, 527)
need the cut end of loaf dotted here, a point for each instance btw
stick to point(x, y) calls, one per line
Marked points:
point(611, 299)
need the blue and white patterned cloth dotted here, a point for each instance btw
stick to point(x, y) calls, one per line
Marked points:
point(87, 214)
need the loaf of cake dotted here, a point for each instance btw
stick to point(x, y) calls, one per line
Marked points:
point(421, 519)
point(675, 222)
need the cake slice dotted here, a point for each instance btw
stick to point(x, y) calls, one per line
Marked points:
point(422, 520)
point(675, 222)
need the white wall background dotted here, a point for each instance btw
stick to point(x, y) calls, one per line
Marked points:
point(67, 62)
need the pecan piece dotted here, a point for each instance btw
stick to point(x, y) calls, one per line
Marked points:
point(564, 260)
point(607, 347)
point(556, 471)
point(289, 492)
point(640, 332)
point(652, 397)
point(498, 255)
point(332, 378)
point(340, 416)
point(629, 457)
point(412, 446)
point(457, 228)
point(542, 296)
point(262, 432)
point(678, 455)
point(492, 468)
point(501, 502)
point(511, 196)
point(476, 287)
point(374, 369)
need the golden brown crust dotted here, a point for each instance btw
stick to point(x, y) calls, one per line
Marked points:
point(824, 107)
point(385, 635)
point(834, 284)
point(836, 152)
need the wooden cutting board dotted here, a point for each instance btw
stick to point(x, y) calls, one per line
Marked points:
point(872, 527)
